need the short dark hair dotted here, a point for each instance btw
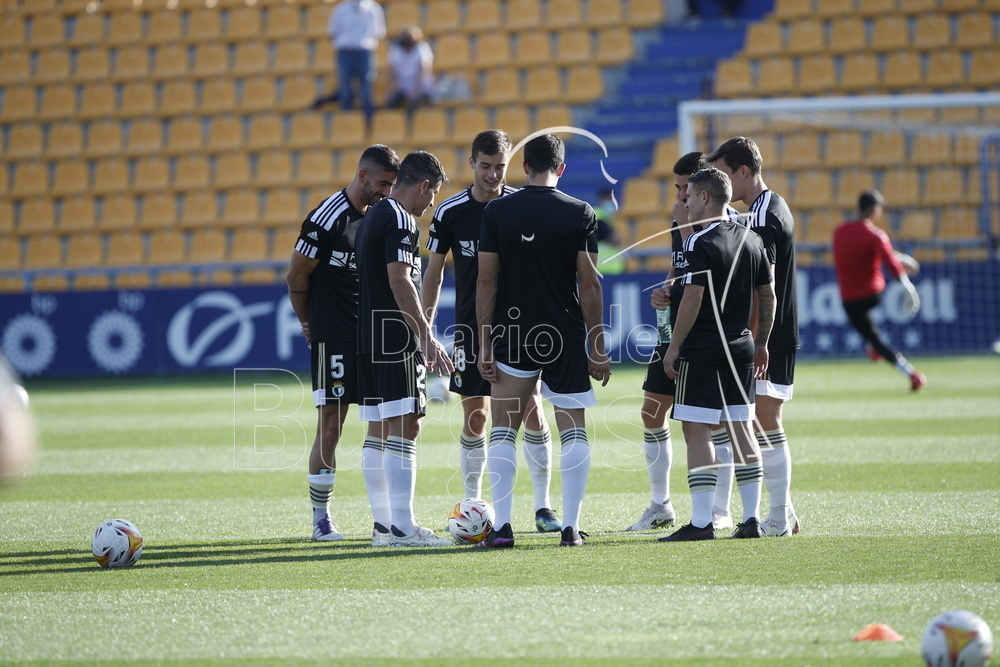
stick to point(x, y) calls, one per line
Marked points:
point(739, 152)
point(690, 163)
point(420, 166)
point(715, 183)
point(868, 200)
point(491, 142)
point(381, 156)
point(544, 153)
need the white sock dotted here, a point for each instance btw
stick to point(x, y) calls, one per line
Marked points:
point(656, 444)
point(401, 475)
point(724, 457)
point(501, 458)
point(748, 481)
point(473, 463)
point(374, 473)
point(320, 492)
point(904, 366)
point(701, 482)
point(777, 460)
point(538, 455)
point(574, 460)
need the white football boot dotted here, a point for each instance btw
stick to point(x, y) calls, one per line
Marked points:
point(655, 516)
point(421, 537)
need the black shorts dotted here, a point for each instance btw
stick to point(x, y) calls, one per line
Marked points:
point(466, 380)
point(780, 375)
point(711, 394)
point(335, 372)
point(392, 385)
point(565, 375)
point(657, 381)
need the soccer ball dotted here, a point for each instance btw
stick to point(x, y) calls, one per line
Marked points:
point(471, 521)
point(116, 543)
point(438, 389)
point(957, 639)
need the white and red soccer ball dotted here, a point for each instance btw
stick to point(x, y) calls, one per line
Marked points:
point(471, 521)
point(957, 639)
point(116, 543)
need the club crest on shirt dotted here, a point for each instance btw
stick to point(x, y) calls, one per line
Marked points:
point(468, 248)
point(337, 389)
point(457, 377)
point(344, 260)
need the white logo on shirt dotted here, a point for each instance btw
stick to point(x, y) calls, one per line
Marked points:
point(528, 238)
point(313, 235)
point(345, 260)
point(468, 248)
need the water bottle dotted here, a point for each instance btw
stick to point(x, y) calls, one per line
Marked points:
point(663, 329)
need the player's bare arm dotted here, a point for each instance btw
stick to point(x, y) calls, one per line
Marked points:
point(687, 313)
point(765, 299)
point(430, 291)
point(409, 304)
point(592, 306)
point(486, 299)
point(299, 270)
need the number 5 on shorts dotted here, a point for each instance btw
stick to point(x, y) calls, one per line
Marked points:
point(336, 366)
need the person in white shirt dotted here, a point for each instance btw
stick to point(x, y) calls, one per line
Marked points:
point(411, 63)
point(355, 28)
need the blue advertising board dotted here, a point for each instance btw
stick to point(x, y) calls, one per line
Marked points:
point(168, 331)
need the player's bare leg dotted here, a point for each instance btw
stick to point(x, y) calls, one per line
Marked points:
point(777, 461)
point(323, 469)
point(373, 471)
point(658, 455)
point(574, 465)
point(538, 455)
point(475, 410)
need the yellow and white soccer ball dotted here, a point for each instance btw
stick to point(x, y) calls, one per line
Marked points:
point(957, 639)
point(471, 521)
point(116, 543)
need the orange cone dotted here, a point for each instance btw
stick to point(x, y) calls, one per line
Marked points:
point(878, 632)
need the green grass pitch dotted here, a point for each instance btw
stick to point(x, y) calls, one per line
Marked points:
point(899, 496)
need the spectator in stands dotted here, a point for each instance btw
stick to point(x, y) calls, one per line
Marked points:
point(411, 63)
point(859, 250)
point(609, 241)
point(355, 28)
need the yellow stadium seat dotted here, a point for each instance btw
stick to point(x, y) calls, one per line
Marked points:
point(65, 139)
point(104, 138)
point(391, 126)
point(204, 25)
point(151, 173)
point(70, 177)
point(800, 150)
point(917, 225)
point(43, 252)
point(225, 134)
point(945, 187)
point(641, 196)
point(901, 186)
point(482, 15)
point(614, 46)
point(890, 33)
point(843, 149)
point(645, 13)
point(58, 101)
point(543, 85)
point(164, 27)
point(430, 126)
point(902, 71)
point(273, 168)
point(259, 94)
point(207, 246)
point(775, 76)
point(249, 245)
point(401, 14)
point(984, 68)
point(917, 6)
point(932, 31)
point(502, 87)
point(92, 281)
point(468, 122)
point(533, 48)
point(954, 6)
point(18, 103)
point(38, 216)
point(960, 223)
point(298, 93)
point(47, 30)
point(118, 213)
point(317, 16)
point(283, 207)
point(443, 16)
point(492, 50)
point(975, 30)
point(125, 249)
point(523, 14)
point(139, 99)
point(241, 208)
point(110, 175)
point(250, 58)
point(88, 29)
point(573, 46)
point(513, 120)
point(184, 136)
point(15, 67)
point(315, 168)
point(763, 39)
point(859, 72)
point(552, 115)
point(817, 74)
point(126, 28)
point(452, 52)
point(603, 13)
point(84, 250)
point(6, 218)
point(200, 209)
point(92, 64)
point(12, 32)
point(945, 70)
point(348, 129)
point(171, 62)
point(885, 149)
point(78, 214)
point(564, 14)
point(814, 189)
point(266, 131)
point(218, 96)
point(245, 23)
point(829, 9)
point(791, 9)
point(97, 101)
point(159, 211)
point(733, 78)
point(307, 130)
point(232, 170)
point(25, 141)
point(665, 154)
point(290, 56)
point(778, 181)
point(847, 35)
point(210, 59)
point(133, 280)
point(806, 37)
point(145, 136)
point(53, 66)
point(166, 246)
point(282, 21)
point(192, 172)
point(851, 183)
point(584, 83)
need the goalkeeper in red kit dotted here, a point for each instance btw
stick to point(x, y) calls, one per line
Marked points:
point(859, 251)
